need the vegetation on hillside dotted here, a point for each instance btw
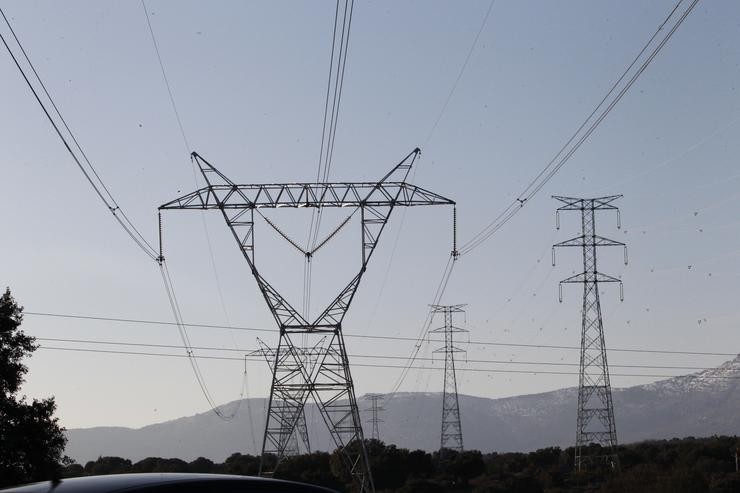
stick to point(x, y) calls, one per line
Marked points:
point(32, 445)
point(689, 465)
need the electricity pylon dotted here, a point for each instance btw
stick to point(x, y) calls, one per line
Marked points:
point(376, 407)
point(595, 421)
point(309, 357)
point(451, 437)
point(329, 383)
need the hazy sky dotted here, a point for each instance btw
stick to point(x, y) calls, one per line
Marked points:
point(249, 80)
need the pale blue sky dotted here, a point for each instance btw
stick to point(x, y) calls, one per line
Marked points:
point(249, 79)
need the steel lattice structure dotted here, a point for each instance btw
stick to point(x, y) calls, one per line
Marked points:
point(309, 356)
point(376, 406)
point(329, 382)
point(595, 420)
point(451, 437)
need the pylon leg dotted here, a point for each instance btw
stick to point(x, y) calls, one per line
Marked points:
point(330, 384)
point(287, 397)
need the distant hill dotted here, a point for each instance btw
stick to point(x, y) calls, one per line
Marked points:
point(694, 405)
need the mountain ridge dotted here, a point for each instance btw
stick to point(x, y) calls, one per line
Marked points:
point(700, 404)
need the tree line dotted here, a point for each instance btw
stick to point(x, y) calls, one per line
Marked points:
point(688, 465)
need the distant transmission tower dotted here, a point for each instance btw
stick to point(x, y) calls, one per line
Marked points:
point(329, 382)
point(290, 434)
point(451, 437)
point(376, 406)
point(595, 422)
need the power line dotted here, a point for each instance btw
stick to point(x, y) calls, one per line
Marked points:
point(328, 132)
point(168, 280)
point(459, 75)
point(200, 379)
point(328, 91)
point(146, 322)
point(104, 193)
point(166, 80)
point(370, 365)
point(447, 273)
point(561, 157)
point(425, 327)
point(90, 173)
point(249, 352)
point(377, 337)
point(544, 176)
point(349, 5)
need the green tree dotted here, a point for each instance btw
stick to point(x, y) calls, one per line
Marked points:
point(313, 468)
point(32, 440)
point(244, 465)
point(108, 465)
point(202, 465)
point(158, 464)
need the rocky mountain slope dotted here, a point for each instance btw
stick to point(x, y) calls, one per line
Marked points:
point(702, 404)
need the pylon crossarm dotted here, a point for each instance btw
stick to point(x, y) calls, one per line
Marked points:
point(601, 241)
point(448, 308)
point(300, 195)
point(589, 277)
point(450, 329)
point(577, 203)
point(451, 349)
point(581, 241)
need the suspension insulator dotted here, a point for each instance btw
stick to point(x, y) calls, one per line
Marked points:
point(455, 253)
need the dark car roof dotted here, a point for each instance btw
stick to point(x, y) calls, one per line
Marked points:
point(168, 483)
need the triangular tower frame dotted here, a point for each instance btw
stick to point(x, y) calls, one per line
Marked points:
point(329, 382)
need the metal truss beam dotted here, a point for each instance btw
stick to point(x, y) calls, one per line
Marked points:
point(228, 195)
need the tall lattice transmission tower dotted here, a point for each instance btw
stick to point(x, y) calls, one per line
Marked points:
point(451, 437)
point(328, 382)
point(595, 421)
point(376, 407)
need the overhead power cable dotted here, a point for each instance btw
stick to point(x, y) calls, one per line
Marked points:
point(451, 261)
point(426, 141)
point(200, 379)
point(459, 75)
point(95, 181)
point(377, 337)
point(82, 161)
point(219, 291)
point(565, 152)
point(370, 365)
point(334, 88)
point(166, 80)
point(251, 352)
point(424, 329)
point(590, 124)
